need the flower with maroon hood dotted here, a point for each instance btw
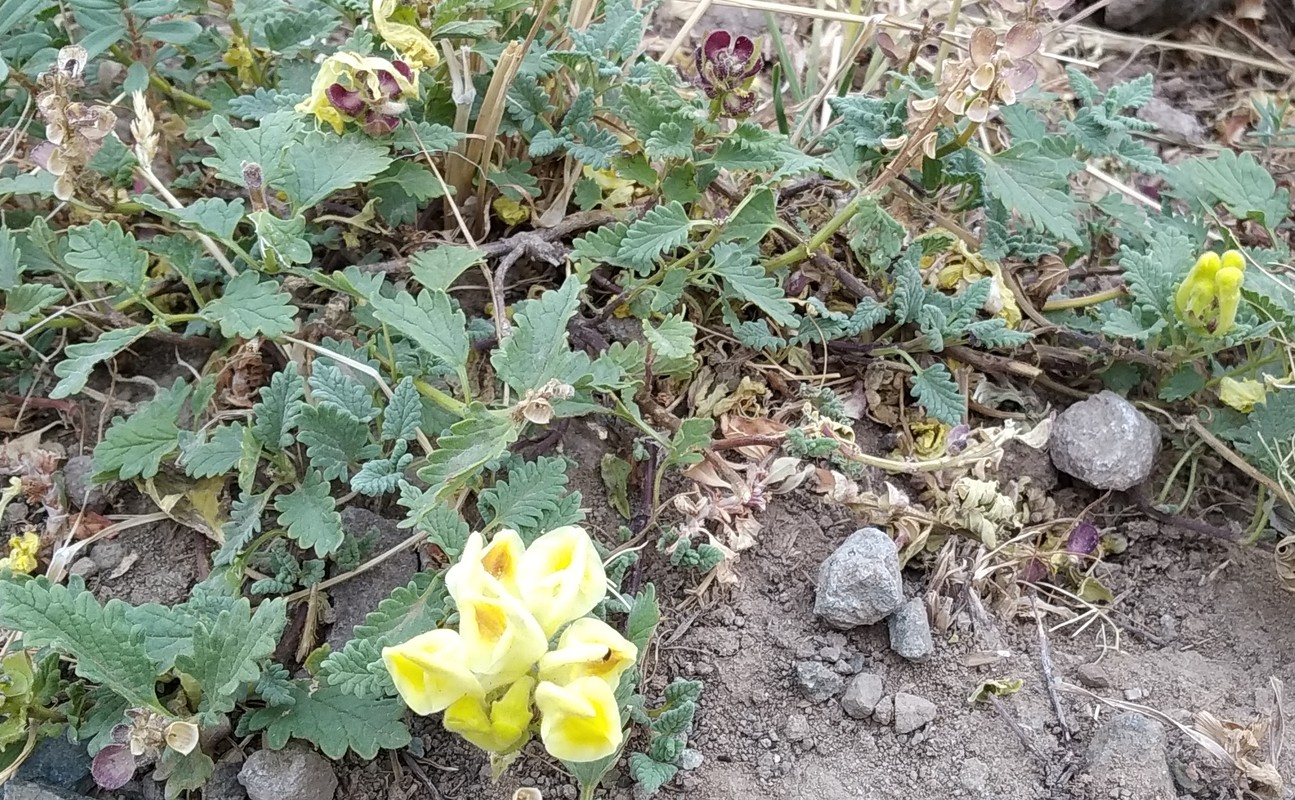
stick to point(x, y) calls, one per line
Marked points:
point(366, 89)
point(726, 68)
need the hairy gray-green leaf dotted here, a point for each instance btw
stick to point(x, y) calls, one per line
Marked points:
point(538, 348)
point(311, 516)
point(251, 307)
point(279, 408)
point(106, 254)
point(334, 440)
point(333, 721)
point(228, 653)
point(80, 359)
point(663, 228)
point(431, 321)
point(206, 456)
point(329, 386)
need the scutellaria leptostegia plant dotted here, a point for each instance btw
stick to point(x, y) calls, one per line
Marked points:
point(1208, 298)
point(496, 673)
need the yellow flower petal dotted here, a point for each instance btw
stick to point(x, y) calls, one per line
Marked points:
point(502, 640)
point(1233, 259)
point(1241, 395)
point(1227, 286)
point(411, 43)
point(561, 577)
point(510, 211)
point(588, 648)
point(343, 68)
point(1200, 275)
point(499, 727)
point(430, 672)
point(489, 571)
point(580, 721)
point(22, 553)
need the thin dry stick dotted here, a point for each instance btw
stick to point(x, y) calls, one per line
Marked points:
point(682, 35)
point(1049, 676)
point(1016, 728)
point(1138, 42)
point(481, 148)
point(1237, 461)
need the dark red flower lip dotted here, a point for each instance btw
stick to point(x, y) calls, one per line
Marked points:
point(403, 69)
point(716, 42)
point(345, 100)
point(388, 83)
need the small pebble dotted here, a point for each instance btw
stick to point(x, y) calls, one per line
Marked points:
point(85, 567)
point(1094, 676)
point(1135, 694)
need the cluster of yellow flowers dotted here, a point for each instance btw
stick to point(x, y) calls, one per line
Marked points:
point(368, 89)
point(491, 675)
point(23, 548)
point(1210, 295)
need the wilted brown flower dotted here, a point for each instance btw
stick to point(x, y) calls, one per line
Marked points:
point(73, 131)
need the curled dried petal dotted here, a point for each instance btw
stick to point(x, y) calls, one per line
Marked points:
point(983, 45)
point(887, 45)
point(956, 104)
point(982, 77)
point(71, 61)
point(1006, 94)
point(895, 143)
point(1023, 40)
point(929, 145)
point(925, 104)
point(388, 84)
point(979, 110)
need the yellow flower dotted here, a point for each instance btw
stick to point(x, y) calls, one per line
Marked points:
point(22, 553)
point(411, 43)
point(1241, 395)
point(491, 571)
point(580, 721)
point(502, 640)
point(1208, 298)
point(364, 81)
point(1197, 289)
point(617, 191)
point(588, 647)
point(499, 728)
point(561, 577)
point(430, 672)
point(510, 211)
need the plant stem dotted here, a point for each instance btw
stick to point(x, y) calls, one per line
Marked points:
point(1085, 300)
point(803, 251)
point(440, 398)
point(159, 83)
point(943, 52)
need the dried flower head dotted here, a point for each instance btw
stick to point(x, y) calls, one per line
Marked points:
point(726, 69)
point(73, 131)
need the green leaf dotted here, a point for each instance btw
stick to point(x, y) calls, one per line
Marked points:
point(675, 721)
point(745, 280)
point(403, 414)
point(650, 774)
point(687, 443)
point(106, 648)
point(106, 254)
point(938, 394)
point(183, 773)
point(439, 267)
point(204, 457)
point(1239, 182)
point(644, 615)
point(471, 443)
point(279, 408)
point(134, 446)
point(671, 139)
point(411, 610)
point(1033, 184)
point(432, 322)
point(333, 721)
point(25, 302)
point(1182, 384)
point(251, 307)
point(281, 239)
point(754, 217)
point(994, 333)
point(81, 359)
point(615, 472)
point(531, 492)
point(227, 654)
point(334, 440)
point(325, 163)
point(1153, 273)
point(172, 31)
point(875, 236)
point(211, 215)
point(673, 338)
point(329, 386)
point(538, 349)
point(661, 229)
point(377, 477)
point(311, 516)
point(268, 144)
point(244, 523)
point(11, 267)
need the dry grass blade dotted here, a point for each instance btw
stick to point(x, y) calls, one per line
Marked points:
point(1124, 41)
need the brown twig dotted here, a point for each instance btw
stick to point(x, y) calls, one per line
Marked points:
point(1049, 675)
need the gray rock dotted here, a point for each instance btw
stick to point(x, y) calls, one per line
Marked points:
point(860, 584)
point(912, 712)
point(25, 790)
point(223, 783)
point(818, 681)
point(56, 763)
point(690, 759)
point(862, 695)
point(1135, 695)
point(353, 600)
point(81, 492)
point(1094, 676)
point(1105, 442)
point(910, 631)
point(884, 713)
point(1127, 755)
point(84, 567)
point(1154, 16)
point(974, 777)
point(292, 773)
point(109, 554)
point(798, 729)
